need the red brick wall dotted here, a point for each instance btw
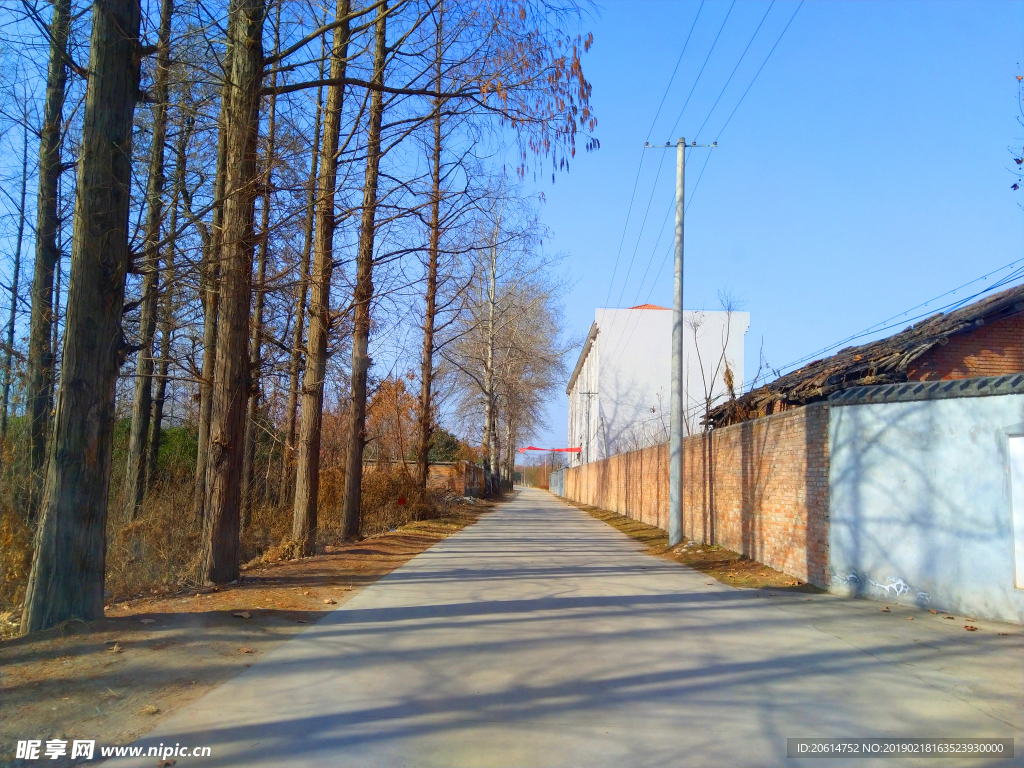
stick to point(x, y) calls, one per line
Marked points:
point(460, 477)
point(760, 488)
point(993, 349)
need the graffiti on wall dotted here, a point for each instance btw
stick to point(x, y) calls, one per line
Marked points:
point(892, 587)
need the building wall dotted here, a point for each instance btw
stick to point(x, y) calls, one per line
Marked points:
point(462, 478)
point(993, 349)
point(920, 507)
point(759, 488)
point(619, 400)
point(585, 410)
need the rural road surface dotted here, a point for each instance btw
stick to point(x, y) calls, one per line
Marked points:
point(542, 637)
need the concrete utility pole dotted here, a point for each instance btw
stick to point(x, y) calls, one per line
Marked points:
point(678, 410)
point(677, 395)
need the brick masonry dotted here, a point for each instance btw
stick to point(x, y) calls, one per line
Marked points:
point(760, 488)
point(992, 349)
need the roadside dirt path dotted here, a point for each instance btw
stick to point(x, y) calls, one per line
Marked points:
point(115, 679)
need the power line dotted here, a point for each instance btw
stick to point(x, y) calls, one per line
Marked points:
point(707, 159)
point(720, 132)
point(639, 168)
point(760, 68)
point(888, 323)
point(706, 59)
point(647, 211)
point(676, 69)
point(654, 189)
point(654, 251)
point(740, 61)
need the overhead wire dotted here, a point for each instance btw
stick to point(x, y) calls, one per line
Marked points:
point(708, 157)
point(643, 223)
point(636, 181)
point(722, 130)
point(888, 323)
point(706, 59)
point(654, 189)
point(731, 74)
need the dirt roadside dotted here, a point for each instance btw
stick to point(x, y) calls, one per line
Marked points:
point(114, 679)
point(723, 564)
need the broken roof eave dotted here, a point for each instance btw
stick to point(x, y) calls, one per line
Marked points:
point(883, 361)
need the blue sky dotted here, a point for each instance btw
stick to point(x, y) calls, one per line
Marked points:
point(865, 172)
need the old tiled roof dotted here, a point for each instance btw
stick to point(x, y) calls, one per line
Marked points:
point(648, 306)
point(880, 362)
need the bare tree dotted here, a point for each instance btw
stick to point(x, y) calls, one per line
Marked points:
point(66, 579)
point(167, 319)
point(39, 384)
point(307, 480)
point(9, 344)
point(135, 475)
point(301, 293)
point(716, 371)
point(231, 370)
point(256, 344)
point(426, 415)
point(364, 287)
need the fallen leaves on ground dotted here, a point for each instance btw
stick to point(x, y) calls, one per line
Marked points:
point(728, 567)
point(970, 628)
point(246, 650)
point(197, 647)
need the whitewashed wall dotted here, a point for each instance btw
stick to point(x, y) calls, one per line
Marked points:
point(922, 504)
point(619, 398)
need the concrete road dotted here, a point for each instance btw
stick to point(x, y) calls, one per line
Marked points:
point(542, 637)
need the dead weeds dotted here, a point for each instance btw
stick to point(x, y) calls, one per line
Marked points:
point(114, 679)
point(728, 567)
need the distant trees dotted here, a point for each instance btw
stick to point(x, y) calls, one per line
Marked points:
point(508, 352)
point(300, 207)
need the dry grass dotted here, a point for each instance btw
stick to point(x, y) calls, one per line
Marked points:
point(16, 549)
point(728, 567)
point(69, 680)
point(159, 551)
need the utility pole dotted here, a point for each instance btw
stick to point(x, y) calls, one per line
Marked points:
point(677, 395)
point(678, 404)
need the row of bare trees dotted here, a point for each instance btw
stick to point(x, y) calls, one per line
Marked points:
point(274, 207)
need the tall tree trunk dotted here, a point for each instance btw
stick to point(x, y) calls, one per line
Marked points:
point(231, 371)
point(510, 456)
point(490, 415)
point(364, 290)
point(426, 415)
point(135, 474)
point(66, 580)
point(40, 355)
point(9, 351)
point(256, 343)
point(307, 470)
point(210, 287)
point(301, 292)
point(167, 315)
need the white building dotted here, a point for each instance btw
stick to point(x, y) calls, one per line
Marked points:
point(619, 390)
